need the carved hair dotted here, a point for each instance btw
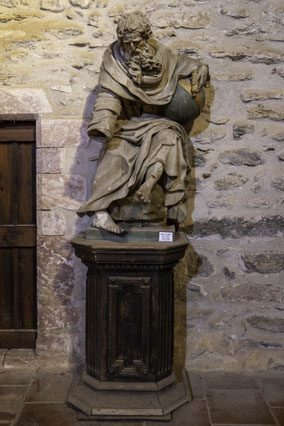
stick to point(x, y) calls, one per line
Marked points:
point(132, 25)
point(140, 62)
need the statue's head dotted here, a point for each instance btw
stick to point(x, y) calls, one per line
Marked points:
point(134, 32)
point(133, 29)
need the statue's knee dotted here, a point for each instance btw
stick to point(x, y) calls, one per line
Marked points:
point(167, 134)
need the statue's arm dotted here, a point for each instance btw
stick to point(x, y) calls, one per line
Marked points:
point(201, 76)
point(106, 112)
point(200, 71)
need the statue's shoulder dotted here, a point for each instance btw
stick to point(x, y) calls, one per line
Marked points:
point(111, 50)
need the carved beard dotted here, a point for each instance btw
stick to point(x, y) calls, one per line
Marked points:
point(140, 62)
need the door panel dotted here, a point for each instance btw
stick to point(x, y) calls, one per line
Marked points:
point(6, 290)
point(17, 235)
point(27, 294)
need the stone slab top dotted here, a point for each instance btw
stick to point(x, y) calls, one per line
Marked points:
point(133, 233)
point(80, 240)
point(132, 254)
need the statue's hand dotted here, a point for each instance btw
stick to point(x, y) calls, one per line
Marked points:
point(201, 76)
point(97, 135)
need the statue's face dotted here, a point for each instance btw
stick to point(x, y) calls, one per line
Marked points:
point(131, 46)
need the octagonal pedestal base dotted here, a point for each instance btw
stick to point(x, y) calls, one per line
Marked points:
point(124, 403)
point(129, 330)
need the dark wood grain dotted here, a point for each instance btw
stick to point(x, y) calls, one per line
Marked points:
point(6, 289)
point(17, 235)
point(6, 179)
point(18, 338)
point(17, 131)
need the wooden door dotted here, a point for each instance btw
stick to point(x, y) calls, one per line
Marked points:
point(17, 235)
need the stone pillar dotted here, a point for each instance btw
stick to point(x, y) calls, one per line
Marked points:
point(129, 330)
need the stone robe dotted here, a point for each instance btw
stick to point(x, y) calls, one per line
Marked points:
point(137, 136)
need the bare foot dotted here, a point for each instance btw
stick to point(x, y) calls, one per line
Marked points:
point(144, 192)
point(153, 175)
point(103, 220)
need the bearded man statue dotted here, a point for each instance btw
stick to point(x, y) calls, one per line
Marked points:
point(146, 156)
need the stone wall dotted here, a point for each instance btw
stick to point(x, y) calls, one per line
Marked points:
point(229, 293)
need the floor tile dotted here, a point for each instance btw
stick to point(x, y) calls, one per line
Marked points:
point(273, 388)
point(238, 407)
point(11, 401)
point(192, 414)
point(50, 386)
point(16, 377)
point(8, 393)
point(230, 381)
point(196, 384)
point(279, 414)
point(47, 415)
point(9, 410)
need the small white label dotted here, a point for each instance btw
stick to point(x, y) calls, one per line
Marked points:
point(166, 236)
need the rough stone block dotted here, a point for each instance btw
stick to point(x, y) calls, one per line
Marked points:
point(249, 95)
point(64, 191)
point(7, 3)
point(254, 53)
point(184, 19)
point(232, 180)
point(68, 32)
point(51, 223)
point(237, 13)
point(61, 88)
point(280, 71)
point(241, 128)
point(233, 76)
point(273, 131)
point(241, 157)
point(23, 101)
point(60, 133)
point(83, 4)
point(250, 292)
point(278, 183)
point(268, 262)
point(53, 5)
point(271, 325)
point(49, 160)
point(236, 227)
point(210, 135)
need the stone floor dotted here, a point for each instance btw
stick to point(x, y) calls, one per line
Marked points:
point(31, 397)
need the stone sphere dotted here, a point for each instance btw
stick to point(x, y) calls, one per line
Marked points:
point(183, 107)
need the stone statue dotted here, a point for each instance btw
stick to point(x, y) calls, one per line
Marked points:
point(142, 168)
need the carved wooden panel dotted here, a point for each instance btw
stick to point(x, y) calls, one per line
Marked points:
point(162, 324)
point(96, 326)
point(129, 326)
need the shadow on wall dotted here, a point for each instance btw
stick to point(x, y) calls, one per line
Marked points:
point(188, 267)
point(69, 283)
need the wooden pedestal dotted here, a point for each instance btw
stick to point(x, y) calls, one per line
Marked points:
point(129, 330)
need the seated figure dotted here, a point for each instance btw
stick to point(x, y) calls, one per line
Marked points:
point(145, 159)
